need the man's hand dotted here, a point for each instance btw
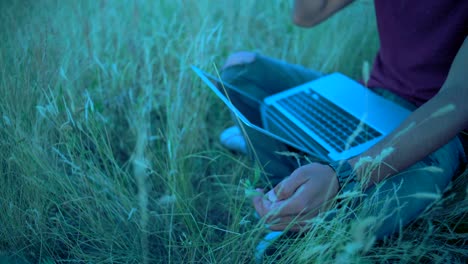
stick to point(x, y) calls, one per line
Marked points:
point(298, 198)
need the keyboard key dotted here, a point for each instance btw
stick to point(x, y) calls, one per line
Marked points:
point(331, 123)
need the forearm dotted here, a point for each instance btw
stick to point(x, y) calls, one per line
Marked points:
point(308, 13)
point(427, 129)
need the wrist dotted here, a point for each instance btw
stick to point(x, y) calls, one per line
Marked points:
point(345, 174)
point(334, 184)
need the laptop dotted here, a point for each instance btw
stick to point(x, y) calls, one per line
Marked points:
point(330, 118)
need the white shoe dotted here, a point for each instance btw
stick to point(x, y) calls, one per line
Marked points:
point(232, 138)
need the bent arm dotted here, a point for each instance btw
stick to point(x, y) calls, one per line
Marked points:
point(308, 13)
point(428, 128)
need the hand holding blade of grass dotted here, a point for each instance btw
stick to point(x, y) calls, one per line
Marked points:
point(297, 198)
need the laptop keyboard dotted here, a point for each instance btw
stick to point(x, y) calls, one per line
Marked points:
point(329, 122)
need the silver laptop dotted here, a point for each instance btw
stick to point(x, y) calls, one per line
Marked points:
point(330, 118)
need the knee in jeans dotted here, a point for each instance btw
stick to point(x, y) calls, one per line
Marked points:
point(239, 58)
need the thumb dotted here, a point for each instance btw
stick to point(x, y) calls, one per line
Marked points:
point(288, 186)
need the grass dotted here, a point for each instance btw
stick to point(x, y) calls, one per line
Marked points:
point(108, 142)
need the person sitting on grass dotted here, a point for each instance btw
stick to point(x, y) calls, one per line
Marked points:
point(421, 64)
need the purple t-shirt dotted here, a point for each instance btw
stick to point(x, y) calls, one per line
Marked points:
point(418, 42)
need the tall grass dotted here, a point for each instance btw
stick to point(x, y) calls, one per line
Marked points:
point(108, 142)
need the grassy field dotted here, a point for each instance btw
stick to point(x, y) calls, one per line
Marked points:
point(108, 142)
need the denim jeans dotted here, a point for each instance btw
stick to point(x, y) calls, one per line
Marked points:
point(265, 76)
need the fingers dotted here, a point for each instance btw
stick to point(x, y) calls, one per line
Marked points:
point(296, 204)
point(277, 200)
point(300, 222)
point(262, 205)
point(301, 195)
point(283, 215)
point(289, 185)
point(268, 206)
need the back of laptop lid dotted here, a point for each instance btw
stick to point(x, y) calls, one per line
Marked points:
point(259, 138)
